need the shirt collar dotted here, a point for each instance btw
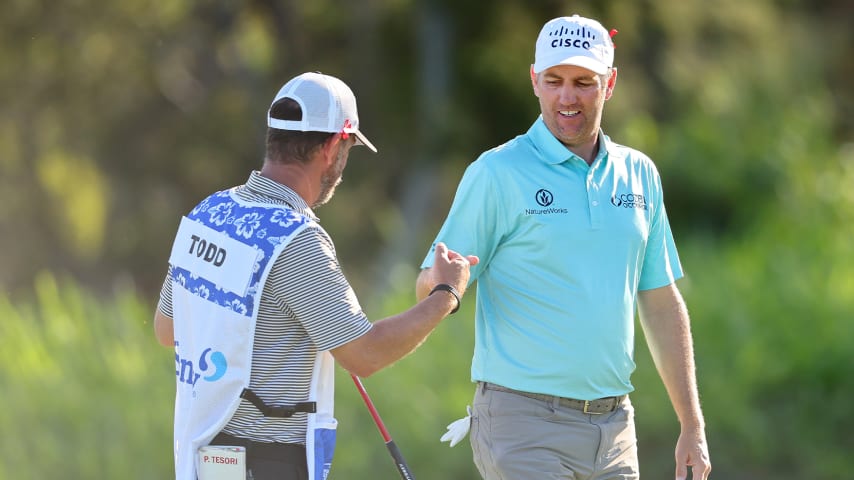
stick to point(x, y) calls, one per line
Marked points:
point(279, 193)
point(553, 151)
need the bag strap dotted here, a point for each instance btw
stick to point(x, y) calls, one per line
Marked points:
point(279, 412)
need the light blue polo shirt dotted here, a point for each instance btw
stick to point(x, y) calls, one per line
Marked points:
point(564, 248)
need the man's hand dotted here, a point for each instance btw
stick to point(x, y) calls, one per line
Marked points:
point(452, 268)
point(692, 450)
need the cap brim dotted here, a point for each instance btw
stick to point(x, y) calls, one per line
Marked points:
point(361, 139)
point(594, 66)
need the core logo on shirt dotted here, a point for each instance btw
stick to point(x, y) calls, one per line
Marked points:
point(544, 198)
point(630, 200)
point(210, 362)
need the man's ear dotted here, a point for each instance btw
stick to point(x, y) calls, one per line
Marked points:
point(329, 148)
point(534, 81)
point(612, 81)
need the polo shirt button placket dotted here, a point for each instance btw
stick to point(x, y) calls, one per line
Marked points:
point(595, 211)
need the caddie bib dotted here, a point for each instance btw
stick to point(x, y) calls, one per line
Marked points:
point(221, 257)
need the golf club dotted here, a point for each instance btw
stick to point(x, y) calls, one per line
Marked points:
point(389, 443)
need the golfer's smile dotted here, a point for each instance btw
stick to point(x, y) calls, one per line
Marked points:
point(571, 124)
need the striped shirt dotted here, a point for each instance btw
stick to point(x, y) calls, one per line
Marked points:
point(306, 306)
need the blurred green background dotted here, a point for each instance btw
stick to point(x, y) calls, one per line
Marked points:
point(117, 117)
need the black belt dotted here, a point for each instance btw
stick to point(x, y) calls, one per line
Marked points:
point(595, 407)
point(284, 452)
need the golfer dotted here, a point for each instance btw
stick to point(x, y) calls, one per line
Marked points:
point(572, 235)
point(257, 308)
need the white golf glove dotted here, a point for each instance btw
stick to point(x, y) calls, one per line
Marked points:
point(458, 429)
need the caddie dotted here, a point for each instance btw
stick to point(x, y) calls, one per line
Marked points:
point(257, 308)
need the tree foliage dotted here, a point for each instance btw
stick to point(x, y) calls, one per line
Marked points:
point(117, 118)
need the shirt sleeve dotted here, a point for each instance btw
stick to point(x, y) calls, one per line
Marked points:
point(661, 264)
point(475, 222)
point(307, 279)
point(165, 303)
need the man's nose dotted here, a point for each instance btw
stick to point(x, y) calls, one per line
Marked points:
point(568, 95)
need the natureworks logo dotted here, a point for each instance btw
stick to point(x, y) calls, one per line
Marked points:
point(210, 362)
point(630, 200)
point(544, 198)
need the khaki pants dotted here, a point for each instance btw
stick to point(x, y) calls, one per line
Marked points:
point(514, 437)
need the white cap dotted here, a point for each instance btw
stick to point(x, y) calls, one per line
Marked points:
point(327, 103)
point(574, 41)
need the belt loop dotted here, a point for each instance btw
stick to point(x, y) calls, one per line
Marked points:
point(483, 388)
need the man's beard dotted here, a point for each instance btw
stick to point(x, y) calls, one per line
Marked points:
point(331, 178)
